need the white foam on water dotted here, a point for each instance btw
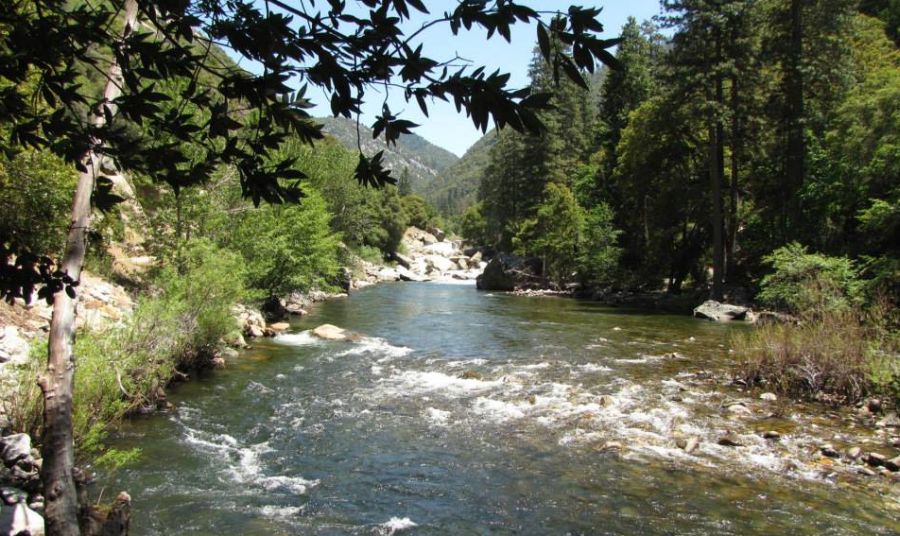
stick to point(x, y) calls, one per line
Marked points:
point(242, 464)
point(593, 367)
point(256, 387)
point(395, 525)
point(437, 417)
point(376, 345)
point(497, 410)
point(280, 512)
point(418, 382)
point(304, 338)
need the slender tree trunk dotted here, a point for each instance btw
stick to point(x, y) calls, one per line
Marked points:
point(716, 159)
point(795, 164)
point(57, 449)
point(734, 224)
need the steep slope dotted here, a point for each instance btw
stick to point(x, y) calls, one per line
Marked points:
point(456, 188)
point(422, 159)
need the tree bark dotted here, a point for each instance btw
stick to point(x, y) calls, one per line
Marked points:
point(57, 383)
point(795, 165)
point(736, 149)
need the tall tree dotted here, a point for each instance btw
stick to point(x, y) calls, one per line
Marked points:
point(343, 54)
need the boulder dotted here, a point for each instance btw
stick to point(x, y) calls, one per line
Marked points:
point(508, 272)
point(13, 346)
point(444, 249)
point(14, 448)
point(403, 260)
point(437, 233)
point(688, 444)
point(720, 312)
point(331, 332)
point(388, 274)
point(409, 275)
point(438, 263)
point(278, 327)
point(730, 439)
point(20, 519)
point(771, 397)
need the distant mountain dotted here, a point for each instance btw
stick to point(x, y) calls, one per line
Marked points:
point(456, 188)
point(424, 160)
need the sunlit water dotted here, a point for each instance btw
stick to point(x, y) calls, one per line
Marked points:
point(464, 412)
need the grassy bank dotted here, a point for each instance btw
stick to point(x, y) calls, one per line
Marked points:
point(845, 343)
point(176, 326)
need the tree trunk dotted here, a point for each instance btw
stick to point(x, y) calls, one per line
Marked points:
point(733, 223)
point(716, 158)
point(795, 164)
point(57, 449)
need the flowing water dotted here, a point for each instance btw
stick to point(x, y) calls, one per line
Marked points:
point(462, 412)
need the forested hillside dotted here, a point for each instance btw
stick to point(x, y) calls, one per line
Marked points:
point(757, 125)
point(456, 187)
point(412, 158)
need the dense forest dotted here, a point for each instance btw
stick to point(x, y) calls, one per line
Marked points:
point(731, 130)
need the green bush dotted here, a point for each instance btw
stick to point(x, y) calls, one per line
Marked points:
point(122, 368)
point(810, 284)
point(473, 225)
point(287, 247)
point(36, 189)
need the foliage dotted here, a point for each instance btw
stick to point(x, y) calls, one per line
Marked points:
point(473, 226)
point(554, 234)
point(598, 253)
point(36, 189)
point(832, 357)
point(810, 284)
point(287, 248)
point(123, 368)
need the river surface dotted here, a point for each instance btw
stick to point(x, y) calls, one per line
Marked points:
point(463, 412)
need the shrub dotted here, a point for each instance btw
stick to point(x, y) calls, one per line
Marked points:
point(122, 368)
point(36, 191)
point(832, 356)
point(810, 284)
point(287, 247)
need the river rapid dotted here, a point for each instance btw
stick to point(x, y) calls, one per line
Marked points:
point(464, 412)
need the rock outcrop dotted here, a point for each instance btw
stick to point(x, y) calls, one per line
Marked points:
point(509, 272)
point(720, 312)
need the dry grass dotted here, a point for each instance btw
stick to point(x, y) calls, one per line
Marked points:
point(829, 358)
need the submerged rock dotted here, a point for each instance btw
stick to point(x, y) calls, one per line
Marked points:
point(720, 312)
point(331, 332)
point(688, 444)
point(771, 434)
point(854, 453)
point(730, 439)
point(771, 397)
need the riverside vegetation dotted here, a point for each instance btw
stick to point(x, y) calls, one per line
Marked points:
point(624, 188)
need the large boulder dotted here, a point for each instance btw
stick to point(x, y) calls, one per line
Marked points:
point(13, 346)
point(20, 519)
point(720, 312)
point(444, 249)
point(330, 332)
point(409, 275)
point(509, 272)
point(14, 448)
point(388, 274)
point(440, 264)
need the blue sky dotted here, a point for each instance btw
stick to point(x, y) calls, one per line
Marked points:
point(454, 131)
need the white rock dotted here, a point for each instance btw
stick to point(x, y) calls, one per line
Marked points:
point(20, 519)
point(439, 264)
point(14, 347)
point(444, 249)
point(14, 448)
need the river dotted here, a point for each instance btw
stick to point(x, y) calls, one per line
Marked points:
point(463, 412)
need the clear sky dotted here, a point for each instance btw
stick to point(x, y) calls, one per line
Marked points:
point(454, 131)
